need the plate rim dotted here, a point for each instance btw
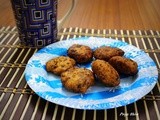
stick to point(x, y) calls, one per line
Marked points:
point(84, 107)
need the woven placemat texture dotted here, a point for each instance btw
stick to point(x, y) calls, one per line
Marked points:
point(18, 101)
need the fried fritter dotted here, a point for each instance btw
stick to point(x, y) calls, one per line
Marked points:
point(105, 73)
point(106, 52)
point(124, 65)
point(60, 64)
point(77, 79)
point(80, 53)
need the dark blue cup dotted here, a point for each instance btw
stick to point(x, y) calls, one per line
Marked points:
point(36, 21)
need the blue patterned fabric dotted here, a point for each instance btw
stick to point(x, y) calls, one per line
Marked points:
point(36, 21)
point(131, 88)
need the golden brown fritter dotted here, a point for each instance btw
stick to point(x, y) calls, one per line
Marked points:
point(60, 64)
point(105, 73)
point(124, 65)
point(80, 53)
point(77, 79)
point(105, 53)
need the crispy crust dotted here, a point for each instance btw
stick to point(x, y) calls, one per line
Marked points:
point(77, 79)
point(105, 73)
point(80, 53)
point(124, 65)
point(105, 53)
point(60, 64)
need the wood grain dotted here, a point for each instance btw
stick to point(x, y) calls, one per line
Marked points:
point(103, 14)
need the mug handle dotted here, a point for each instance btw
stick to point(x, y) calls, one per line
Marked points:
point(61, 21)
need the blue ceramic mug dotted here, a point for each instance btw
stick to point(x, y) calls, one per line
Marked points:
point(37, 21)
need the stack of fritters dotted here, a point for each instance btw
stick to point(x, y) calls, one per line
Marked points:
point(108, 63)
point(73, 78)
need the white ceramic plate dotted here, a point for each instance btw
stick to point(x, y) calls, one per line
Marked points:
point(131, 88)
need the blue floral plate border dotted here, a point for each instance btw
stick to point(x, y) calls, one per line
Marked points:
point(131, 88)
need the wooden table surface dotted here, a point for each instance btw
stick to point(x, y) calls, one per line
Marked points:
point(103, 14)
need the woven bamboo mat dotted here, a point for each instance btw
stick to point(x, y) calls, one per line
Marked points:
point(18, 101)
